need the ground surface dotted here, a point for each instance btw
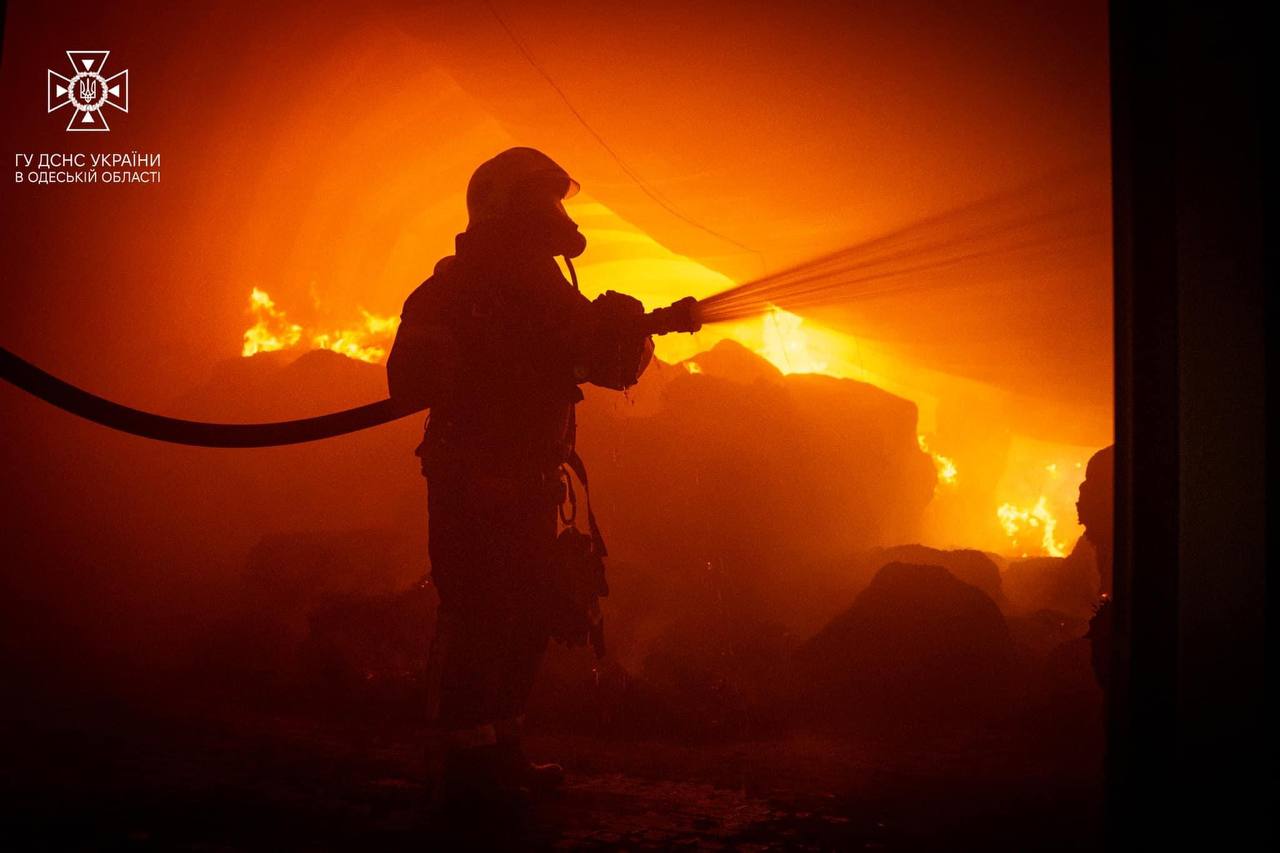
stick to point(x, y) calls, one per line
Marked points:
point(236, 781)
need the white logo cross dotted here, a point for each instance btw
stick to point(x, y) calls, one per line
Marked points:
point(87, 91)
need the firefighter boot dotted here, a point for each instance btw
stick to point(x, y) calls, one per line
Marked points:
point(477, 772)
point(535, 778)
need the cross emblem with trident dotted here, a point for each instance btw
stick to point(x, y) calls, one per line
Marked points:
point(88, 91)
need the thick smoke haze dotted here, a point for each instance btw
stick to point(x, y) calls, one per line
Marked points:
point(823, 516)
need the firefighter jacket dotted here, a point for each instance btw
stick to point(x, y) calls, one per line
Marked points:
point(497, 342)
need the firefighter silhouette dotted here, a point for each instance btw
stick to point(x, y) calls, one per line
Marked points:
point(1095, 510)
point(496, 342)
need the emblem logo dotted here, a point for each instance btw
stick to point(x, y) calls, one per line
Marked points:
point(87, 91)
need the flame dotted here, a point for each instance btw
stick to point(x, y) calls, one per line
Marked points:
point(692, 366)
point(361, 343)
point(788, 347)
point(945, 465)
point(1037, 512)
point(1015, 520)
point(272, 331)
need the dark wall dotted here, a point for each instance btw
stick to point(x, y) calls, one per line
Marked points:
point(1187, 747)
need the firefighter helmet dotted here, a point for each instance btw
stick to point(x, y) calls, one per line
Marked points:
point(517, 182)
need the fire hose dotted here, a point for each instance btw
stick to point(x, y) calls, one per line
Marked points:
point(681, 316)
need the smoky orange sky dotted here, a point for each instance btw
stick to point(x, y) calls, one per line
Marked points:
point(319, 151)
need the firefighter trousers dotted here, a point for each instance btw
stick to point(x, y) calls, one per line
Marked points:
point(491, 542)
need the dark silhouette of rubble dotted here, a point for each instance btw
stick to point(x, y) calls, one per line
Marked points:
point(1068, 584)
point(916, 644)
point(965, 564)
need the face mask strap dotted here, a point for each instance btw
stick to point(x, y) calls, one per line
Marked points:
point(573, 273)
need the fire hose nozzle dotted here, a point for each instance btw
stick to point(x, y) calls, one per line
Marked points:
point(680, 316)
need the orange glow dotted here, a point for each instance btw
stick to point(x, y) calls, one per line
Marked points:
point(1035, 500)
point(320, 154)
point(786, 345)
point(369, 216)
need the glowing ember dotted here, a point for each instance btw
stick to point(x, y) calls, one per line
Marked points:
point(692, 366)
point(1018, 522)
point(786, 346)
point(945, 466)
point(272, 331)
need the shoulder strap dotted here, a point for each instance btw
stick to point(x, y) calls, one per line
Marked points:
point(579, 467)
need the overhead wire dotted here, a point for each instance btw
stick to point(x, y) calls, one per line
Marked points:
point(643, 185)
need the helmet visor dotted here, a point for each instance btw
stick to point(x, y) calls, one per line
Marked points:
point(552, 185)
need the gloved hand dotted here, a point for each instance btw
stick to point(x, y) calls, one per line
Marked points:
point(611, 304)
point(618, 351)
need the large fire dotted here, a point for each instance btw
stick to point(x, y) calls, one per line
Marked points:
point(1031, 506)
point(272, 331)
